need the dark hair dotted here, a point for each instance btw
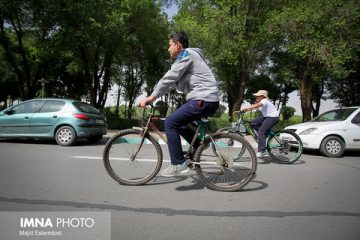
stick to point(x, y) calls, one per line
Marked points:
point(180, 37)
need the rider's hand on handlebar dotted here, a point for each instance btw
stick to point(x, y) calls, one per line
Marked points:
point(146, 101)
point(240, 111)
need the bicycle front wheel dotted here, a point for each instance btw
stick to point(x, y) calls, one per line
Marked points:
point(223, 169)
point(285, 147)
point(131, 159)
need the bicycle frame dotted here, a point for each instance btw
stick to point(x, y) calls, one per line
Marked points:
point(203, 128)
point(246, 124)
point(250, 129)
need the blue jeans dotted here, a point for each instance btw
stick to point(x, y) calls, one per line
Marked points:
point(263, 124)
point(175, 125)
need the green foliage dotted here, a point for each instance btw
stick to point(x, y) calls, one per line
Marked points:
point(284, 123)
point(318, 41)
point(219, 122)
point(85, 47)
point(162, 108)
point(116, 122)
point(287, 112)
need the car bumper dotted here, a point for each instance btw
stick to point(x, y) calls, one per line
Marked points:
point(311, 141)
point(90, 131)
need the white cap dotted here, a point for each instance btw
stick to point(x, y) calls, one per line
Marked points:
point(261, 93)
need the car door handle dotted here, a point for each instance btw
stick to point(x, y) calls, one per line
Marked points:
point(26, 117)
point(55, 116)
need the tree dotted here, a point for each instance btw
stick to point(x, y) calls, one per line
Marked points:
point(16, 40)
point(80, 46)
point(145, 55)
point(6, 82)
point(314, 33)
point(228, 31)
point(262, 82)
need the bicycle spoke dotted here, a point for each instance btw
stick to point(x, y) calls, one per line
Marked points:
point(119, 158)
point(285, 147)
point(222, 169)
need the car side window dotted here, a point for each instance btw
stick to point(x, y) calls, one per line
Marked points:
point(27, 107)
point(356, 119)
point(52, 106)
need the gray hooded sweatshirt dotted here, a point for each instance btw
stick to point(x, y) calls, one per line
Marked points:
point(189, 75)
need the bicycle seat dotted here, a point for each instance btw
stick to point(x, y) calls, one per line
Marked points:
point(202, 121)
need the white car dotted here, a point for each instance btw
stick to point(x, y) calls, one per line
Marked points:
point(331, 132)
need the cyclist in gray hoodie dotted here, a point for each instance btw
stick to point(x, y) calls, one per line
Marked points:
point(191, 76)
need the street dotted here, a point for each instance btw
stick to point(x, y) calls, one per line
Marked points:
point(315, 198)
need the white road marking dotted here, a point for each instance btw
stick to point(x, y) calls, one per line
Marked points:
point(237, 164)
point(118, 159)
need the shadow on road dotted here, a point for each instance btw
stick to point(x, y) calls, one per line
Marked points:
point(185, 212)
point(80, 142)
point(166, 180)
point(254, 185)
point(348, 153)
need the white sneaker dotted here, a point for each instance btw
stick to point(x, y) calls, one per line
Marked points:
point(262, 154)
point(174, 170)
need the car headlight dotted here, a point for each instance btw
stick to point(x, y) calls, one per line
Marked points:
point(307, 131)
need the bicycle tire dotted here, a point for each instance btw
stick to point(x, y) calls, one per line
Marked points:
point(119, 150)
point(230, 130)
point(221, 171)
point(285, 147)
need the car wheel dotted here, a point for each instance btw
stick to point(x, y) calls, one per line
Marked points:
point(65, 136)
point(95, 138)
point(332, 146)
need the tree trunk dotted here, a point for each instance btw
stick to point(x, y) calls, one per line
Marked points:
point(22, 68)
point(306, 87)
point(230, 106)
point(118, 100)
point(88, 78)
point(318, 91)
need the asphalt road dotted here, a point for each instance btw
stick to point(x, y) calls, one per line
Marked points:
point(316, 198)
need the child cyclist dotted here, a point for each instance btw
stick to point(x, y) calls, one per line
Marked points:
point(270, 116)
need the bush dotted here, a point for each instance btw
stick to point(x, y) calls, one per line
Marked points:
point(284, 123)
point(217, 123)
point(162, 107)
point(287, 112)
point(116, 122)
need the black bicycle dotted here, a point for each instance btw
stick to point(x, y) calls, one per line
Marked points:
point(283, 146)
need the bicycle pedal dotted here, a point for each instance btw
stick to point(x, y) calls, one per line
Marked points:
point(191, 166)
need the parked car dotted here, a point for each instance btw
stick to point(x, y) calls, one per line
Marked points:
point(331, 132)
point(64, 120)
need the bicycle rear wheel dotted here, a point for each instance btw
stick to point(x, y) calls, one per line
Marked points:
point(126, 157)
point(223, 170)
point(285, 147)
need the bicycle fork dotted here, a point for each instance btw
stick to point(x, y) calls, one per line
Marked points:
point(144, 131)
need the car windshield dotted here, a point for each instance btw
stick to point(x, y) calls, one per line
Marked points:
point(86, 108)
point(334, 115)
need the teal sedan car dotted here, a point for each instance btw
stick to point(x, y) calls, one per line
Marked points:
point(64, 120)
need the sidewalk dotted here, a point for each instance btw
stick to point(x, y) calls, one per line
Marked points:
point(111, 133)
